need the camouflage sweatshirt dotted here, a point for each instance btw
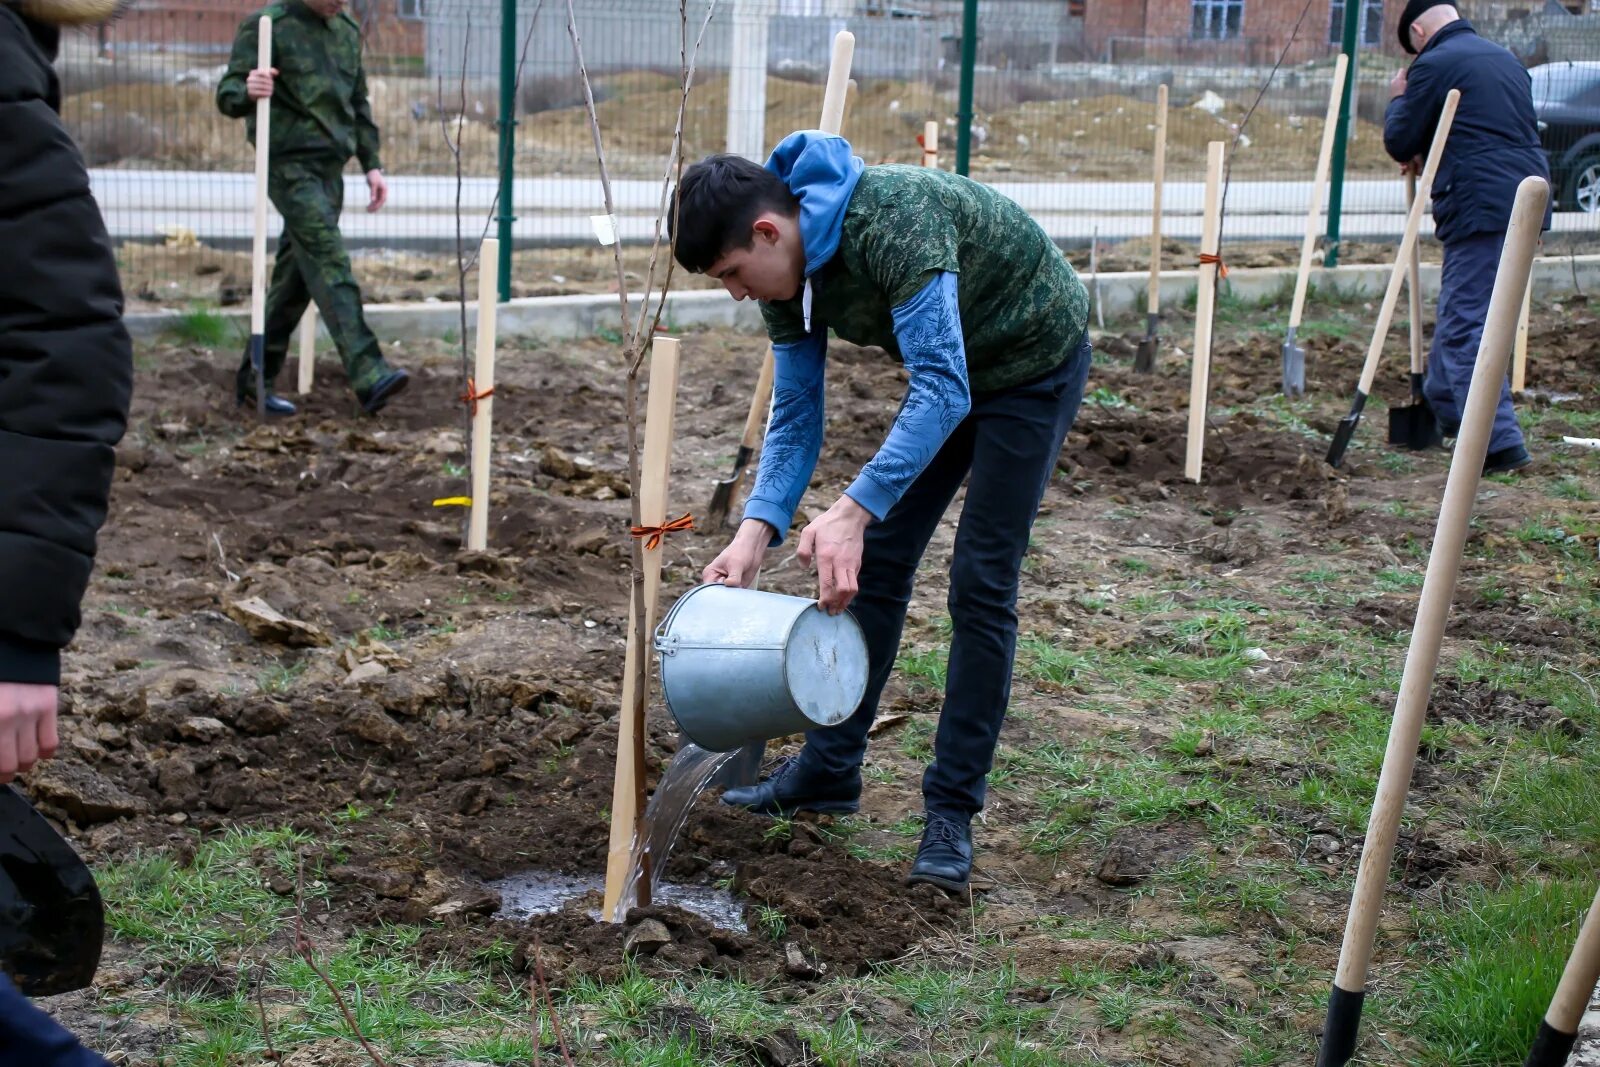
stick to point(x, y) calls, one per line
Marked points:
point(319, 104)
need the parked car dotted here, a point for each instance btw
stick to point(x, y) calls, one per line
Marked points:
point(1566, 99)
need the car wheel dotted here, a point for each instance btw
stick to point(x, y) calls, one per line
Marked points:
point(1583, 188)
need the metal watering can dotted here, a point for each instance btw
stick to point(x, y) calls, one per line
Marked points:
point(740, 666)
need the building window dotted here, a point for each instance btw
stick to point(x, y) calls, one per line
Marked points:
point(1371, 33)
point(1217, 19)
point(410, 9)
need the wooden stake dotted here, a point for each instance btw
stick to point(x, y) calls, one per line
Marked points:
point(1433, 609)
point(308, 349)
point(1204, 309)
point(627, 793)
point(483, 382)
point(833, 96)
point(1413, 284)
point(1094, 278)
point(1294, 378)
point(1153, 304)
point(1559, 1031)
point(1519, 356)
point(258, 241)
point(930, 144)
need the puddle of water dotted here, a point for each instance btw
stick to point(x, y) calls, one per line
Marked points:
point(530, 893)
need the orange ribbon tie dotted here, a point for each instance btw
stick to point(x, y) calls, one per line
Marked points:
point(1222, 268)
point(654, 534)
point(472, 396)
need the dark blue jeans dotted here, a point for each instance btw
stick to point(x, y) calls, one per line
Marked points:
point(1008, 442)
point(1465, 284)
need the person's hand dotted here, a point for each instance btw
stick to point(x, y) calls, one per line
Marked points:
point(1413, 167)
point(27, 727)
point(378, 191)
point(834, 541)
point(740, 562)
point(258, 83)
point(1397, 84)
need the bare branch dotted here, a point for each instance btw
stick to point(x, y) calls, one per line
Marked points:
point(266, 1031)
point(605, 171)
point(302, 945)
point(549, 1002)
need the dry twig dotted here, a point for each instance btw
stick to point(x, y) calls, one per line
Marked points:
point(302, 945)
point(549, 1002)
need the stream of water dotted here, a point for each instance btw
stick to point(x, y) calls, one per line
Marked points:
point(686, 777)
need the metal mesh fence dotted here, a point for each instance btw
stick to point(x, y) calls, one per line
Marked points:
point(1063, 120)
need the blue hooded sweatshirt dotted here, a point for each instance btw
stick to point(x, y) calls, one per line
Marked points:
point(822, 172)
point(30, 1037)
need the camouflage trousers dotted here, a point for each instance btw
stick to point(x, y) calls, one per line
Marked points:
point(312, 265)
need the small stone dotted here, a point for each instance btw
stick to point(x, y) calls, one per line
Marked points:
point(371, 724)
point(280, 885)
point(1206, 744)
point(369, 671)
point(202, 728)
point(265, 623)
point(795, 964)
point(1117, 867)
point(647, 938)
point(83, 794)
point(557, 464)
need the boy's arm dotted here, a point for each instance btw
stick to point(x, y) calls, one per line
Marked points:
point(366, 129)
point(928, 328)
point(232, 99)
point(794, 433)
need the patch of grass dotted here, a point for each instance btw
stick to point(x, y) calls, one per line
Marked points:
point(1494, 960)
point(916, 740)
point(1568, 487)
point(202, 327)
point(198, 912)
point(926, 668)
point(771, 922)
point(278, 678)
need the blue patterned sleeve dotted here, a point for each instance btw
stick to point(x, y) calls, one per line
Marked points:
point(928, 329)
point(794, 433)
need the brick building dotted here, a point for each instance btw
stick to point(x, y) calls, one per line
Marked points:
point(394, 28)
point(1229, 31)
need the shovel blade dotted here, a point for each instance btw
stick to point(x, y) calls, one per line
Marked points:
point(1414, 426)
point(1294, 369)
point(721, 501)
point(1341, 438)
point(51, 919)
point(1144, 360)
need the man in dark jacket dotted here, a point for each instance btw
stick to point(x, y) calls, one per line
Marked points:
point(66, 371)
point(1493, 146)
point(320, 118)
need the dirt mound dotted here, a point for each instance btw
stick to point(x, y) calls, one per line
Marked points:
point(1487, 705)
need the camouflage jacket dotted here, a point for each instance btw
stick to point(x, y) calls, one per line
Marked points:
point(319, 104)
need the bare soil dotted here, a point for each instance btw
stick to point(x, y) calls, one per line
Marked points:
point(469, 699)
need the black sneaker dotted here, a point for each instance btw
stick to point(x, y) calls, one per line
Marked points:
point(1506, 459)
point(244, 392)
point(791, 788)
point(944, 858)
point(375, 396)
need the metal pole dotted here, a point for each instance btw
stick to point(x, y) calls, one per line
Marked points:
point(508, 137)
point(969, 59)
point(1352, 33)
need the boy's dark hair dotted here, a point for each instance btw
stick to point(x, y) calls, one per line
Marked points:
point(719, 200)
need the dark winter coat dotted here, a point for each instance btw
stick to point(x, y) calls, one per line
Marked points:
point(66, 364)
point(1494, 141)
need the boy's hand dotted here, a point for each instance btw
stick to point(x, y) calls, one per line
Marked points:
point(835, 540)
point(27, 727)
point(258, 83)
point(740, 562)
point(378, 191)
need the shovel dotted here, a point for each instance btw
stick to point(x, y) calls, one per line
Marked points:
point(51, 920)
point(1144, 360)
point(1294, 357)
point(1391, 295)
point(722, 496)
point(1414, 425)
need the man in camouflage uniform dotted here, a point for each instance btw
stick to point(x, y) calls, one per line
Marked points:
point(991, 325)
point(320, 118)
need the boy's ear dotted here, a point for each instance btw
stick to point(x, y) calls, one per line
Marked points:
point(766, 230)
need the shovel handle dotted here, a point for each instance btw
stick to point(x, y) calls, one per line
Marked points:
point(758, 404)
point(1153, 293)
point(1408, 240)
point(1414, 283)
point(1308, 246)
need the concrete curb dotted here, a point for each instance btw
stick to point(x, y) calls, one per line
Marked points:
point(568, 317)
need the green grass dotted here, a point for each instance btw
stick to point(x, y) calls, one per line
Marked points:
point(202, 327)
point(1492, 962)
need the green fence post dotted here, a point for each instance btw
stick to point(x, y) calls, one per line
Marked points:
point(1352, 33)
point(508, 137)
point(969, 60)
